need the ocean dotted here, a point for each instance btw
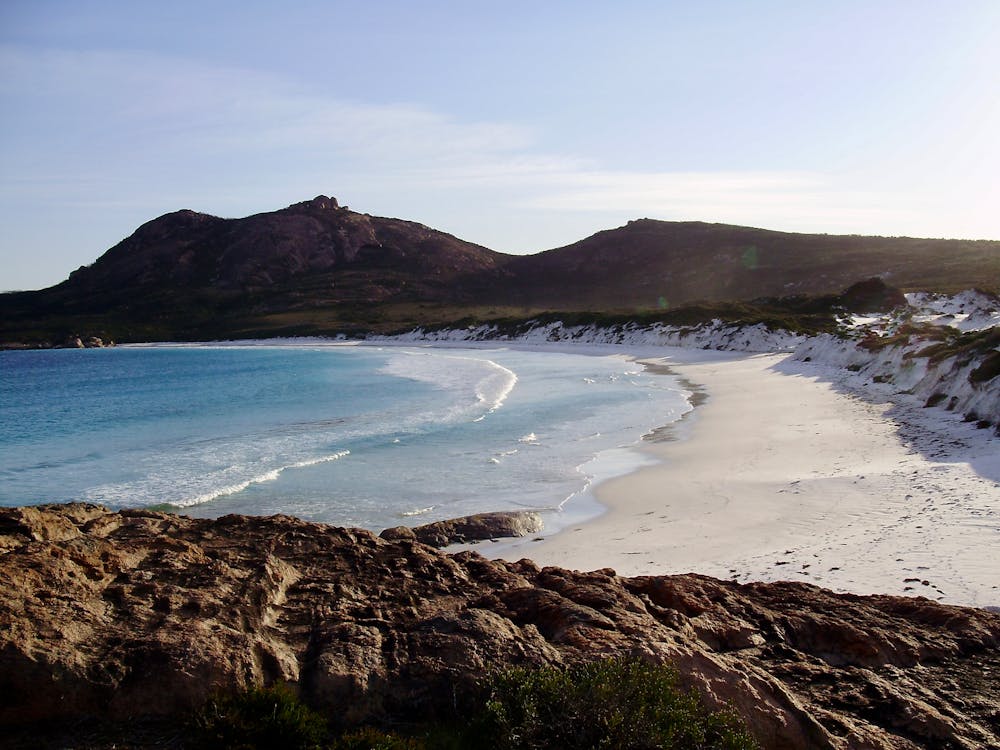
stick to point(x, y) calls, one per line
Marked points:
point(357, 435)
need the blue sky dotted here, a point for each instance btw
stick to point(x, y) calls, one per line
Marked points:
point(520, 126)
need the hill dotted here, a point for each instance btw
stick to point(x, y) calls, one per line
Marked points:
point(319, 268)
point(650, 263)
point(364, 258)
point(191, 275)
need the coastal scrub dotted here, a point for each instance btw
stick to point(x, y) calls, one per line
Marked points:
point(615, 703)
point(260, 717)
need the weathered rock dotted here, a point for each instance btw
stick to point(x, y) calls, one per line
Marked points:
point(138, 613)
point(90, 342)
point(474, 528)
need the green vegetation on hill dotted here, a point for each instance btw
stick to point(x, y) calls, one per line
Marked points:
point(618, 704)
point(800, 314)
point(260, 717)
point(967, 346)
point(621, 704)
point(944, 342)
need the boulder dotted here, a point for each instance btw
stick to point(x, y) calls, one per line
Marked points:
point(474, 528)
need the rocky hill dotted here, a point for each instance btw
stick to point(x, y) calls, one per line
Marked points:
point(140, 614)
point(367, 259)
point(318, 268)
point(191, 275)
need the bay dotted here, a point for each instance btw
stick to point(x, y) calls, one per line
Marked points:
point(369, 436)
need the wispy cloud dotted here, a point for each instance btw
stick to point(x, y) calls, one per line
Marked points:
point(789, 199)
point(158, 124)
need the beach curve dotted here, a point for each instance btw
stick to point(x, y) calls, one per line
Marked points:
point(780, 475)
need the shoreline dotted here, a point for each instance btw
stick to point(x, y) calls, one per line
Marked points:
point(781, 475)
point(562, 494)
point(782, 471)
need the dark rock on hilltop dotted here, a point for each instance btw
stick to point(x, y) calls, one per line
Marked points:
point(873, 295)
point(475, 528)
point(136, 613)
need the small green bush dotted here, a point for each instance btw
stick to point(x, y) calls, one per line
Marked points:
point(261, 717)
point(375, 739)
point(612, 704)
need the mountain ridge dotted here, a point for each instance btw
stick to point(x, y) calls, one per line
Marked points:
point(317, 267)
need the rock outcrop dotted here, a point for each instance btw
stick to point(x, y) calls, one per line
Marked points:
point(474, 528)
point(140, 613)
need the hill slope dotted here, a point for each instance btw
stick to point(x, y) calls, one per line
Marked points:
point(648, 263)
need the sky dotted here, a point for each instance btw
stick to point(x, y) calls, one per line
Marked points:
point(520, 126)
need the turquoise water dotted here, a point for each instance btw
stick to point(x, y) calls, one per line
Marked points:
point(354, 435)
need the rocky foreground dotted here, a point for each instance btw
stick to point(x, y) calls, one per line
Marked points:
point(139, 614)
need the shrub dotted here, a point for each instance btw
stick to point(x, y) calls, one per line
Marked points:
point(375, 739)
point(259, 717)
point(608, 705)
point(988, 369)
point(614, 704)
point(439, 735)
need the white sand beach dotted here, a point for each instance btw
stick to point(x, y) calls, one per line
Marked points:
point(780, 475)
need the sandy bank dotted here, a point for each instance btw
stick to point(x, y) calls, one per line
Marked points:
point(780, 476)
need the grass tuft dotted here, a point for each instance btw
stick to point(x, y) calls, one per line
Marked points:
point(260, 717)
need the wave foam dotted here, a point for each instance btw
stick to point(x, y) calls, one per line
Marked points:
point(127, 491)
point(487, 381)
point(417, 511)
point(269, 476)
point(494, 389)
